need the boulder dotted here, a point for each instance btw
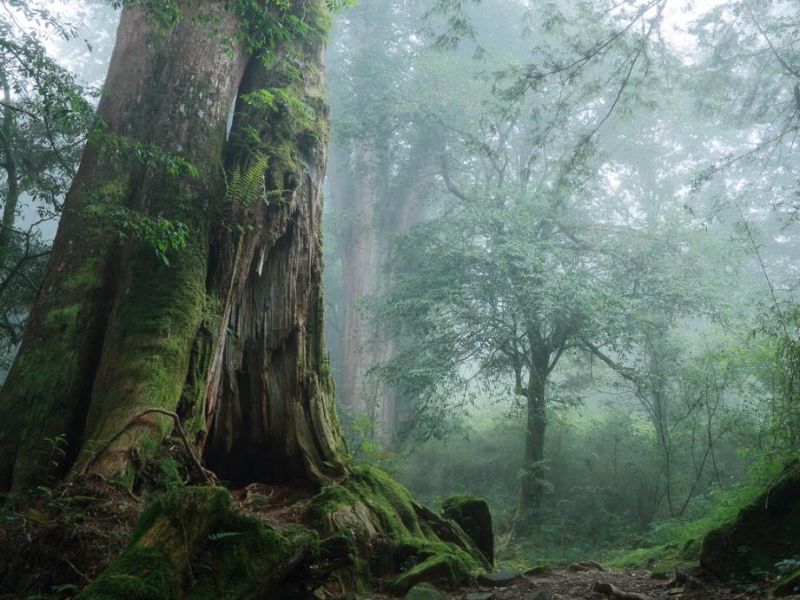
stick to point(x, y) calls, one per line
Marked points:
point(473, 515)
point(763, 533)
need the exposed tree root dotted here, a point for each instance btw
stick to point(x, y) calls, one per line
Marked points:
point(363, 532)
point(207, 475)
point(614, 592)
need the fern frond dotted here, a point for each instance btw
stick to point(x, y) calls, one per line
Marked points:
point(245, 185)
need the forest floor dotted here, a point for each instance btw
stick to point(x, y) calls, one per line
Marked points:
point(569, 585)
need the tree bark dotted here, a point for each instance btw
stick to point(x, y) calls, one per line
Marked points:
point(229, 334)
point(270, 391)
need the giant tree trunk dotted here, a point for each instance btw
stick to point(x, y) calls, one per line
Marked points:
point(229, 332)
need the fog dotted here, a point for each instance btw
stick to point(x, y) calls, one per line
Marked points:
point(560, 247)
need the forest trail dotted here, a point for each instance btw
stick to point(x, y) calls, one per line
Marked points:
point(631, 585)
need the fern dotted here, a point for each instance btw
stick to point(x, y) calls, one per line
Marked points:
point(246, 184)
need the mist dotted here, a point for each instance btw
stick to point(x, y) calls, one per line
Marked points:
point(560, 273)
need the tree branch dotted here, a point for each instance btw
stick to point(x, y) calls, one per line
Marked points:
point(625, 372)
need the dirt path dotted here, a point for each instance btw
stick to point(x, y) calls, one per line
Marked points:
point(565, 585)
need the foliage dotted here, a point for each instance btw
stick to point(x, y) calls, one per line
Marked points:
point(117, 149)
point(245, 185)
point(44, 113)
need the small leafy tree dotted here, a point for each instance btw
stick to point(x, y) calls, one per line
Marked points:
point(505, 281)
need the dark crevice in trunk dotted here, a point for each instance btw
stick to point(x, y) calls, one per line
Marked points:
point(245, 443)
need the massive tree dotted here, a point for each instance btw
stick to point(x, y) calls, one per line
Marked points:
point(185, 275)
point(184, 293)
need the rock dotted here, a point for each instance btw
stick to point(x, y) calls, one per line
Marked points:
point(473, 515)
point(425, 591)
point(500, 578)
point(479, 596)
point(762, 534)
point(543, 595)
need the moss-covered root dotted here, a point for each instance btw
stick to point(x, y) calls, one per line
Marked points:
point(763, 534)
point(190, 543)
point(396, 542)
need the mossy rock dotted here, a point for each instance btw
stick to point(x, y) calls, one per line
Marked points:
point(788, 586)
point(474, 517)
point(394, 536)
point(762, 534)
point(191, 543)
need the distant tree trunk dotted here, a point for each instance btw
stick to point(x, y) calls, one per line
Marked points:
point(532, 484)
point(10, 166)
point(376, 215)
point(228, 334)
point(361, 277)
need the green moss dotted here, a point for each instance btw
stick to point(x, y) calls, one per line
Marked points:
point(149, 344)
point(392, 534)
point(191, 543)
point(138, 574)
point(657, 559)
point(168, 471)
point(63, 320)
point(473, 515)
point(445, 569)
point(391, 501)
point(762, 534)
point(87, 276)
point(239, 557)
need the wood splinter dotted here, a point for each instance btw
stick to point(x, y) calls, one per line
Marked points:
point(609, 590)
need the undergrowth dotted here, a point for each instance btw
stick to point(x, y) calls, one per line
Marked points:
point(674, 543)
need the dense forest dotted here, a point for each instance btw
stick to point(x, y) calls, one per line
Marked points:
point(548, 346)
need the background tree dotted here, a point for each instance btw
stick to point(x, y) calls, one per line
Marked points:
point(44, 113)
point(391, 95)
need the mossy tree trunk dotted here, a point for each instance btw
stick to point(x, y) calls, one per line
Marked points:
point(228, 334)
